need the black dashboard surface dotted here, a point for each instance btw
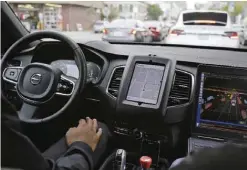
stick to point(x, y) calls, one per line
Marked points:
point(110, 56)
point(223, 56)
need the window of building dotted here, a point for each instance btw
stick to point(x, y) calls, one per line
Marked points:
point(131, 8)
point(120, 8)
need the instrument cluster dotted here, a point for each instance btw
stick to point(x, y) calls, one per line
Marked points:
point(69, 68)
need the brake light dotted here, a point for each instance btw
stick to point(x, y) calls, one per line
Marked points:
point(152, 28)
point(105, 31)
point(205, 22)
point(176, 32)
point(133, 31)
point(232, 34)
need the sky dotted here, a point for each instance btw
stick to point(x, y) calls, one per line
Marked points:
point(190, 4)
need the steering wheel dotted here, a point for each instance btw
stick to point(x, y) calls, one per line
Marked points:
point(37, 83)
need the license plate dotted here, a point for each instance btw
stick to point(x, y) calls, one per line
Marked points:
point(203, 37)
point(118, 34)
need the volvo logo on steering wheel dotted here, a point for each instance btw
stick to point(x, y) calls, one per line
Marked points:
point(36, 78)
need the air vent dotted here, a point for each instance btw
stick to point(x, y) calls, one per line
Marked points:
point(115, 81)
point(181, 89)
point(15, 63)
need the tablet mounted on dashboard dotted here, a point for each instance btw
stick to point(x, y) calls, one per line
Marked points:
point(145, 86)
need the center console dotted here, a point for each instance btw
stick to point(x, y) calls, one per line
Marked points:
point(141, 105)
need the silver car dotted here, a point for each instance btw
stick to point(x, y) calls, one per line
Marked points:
point(204, 28)
point(99, 26)
point(126, 30)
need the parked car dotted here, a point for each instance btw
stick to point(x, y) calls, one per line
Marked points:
point(126, 30)
point(157, 28)
point(238, 27)
point(205, 28)
point(99, 26)
point(168, 25)
point(243, 35)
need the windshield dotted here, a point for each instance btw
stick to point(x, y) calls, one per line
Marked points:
point(200, 23)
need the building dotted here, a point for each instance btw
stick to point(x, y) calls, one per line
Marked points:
point(171, 10)
point(58, 15)
point(128, 9)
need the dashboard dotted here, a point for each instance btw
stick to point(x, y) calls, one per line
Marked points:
point(141, 88)
point(107, 63)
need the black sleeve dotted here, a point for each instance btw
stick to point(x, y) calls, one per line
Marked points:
point(19, 152)
point(77, 157)
point(227, 157)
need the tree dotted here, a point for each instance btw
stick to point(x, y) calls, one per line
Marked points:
point(154, 11)
point(113, 14)
point(238, 8)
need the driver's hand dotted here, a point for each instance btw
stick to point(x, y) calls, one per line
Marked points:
point(85, 132)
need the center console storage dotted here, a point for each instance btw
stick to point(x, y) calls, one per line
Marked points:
point(142, 142)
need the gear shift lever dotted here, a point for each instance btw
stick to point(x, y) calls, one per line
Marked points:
point(120, 157)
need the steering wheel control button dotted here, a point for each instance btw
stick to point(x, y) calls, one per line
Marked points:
point(65, 86)
point(12, 74)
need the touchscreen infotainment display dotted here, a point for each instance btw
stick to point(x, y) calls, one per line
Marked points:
point(222, 102)
point(145, 83)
